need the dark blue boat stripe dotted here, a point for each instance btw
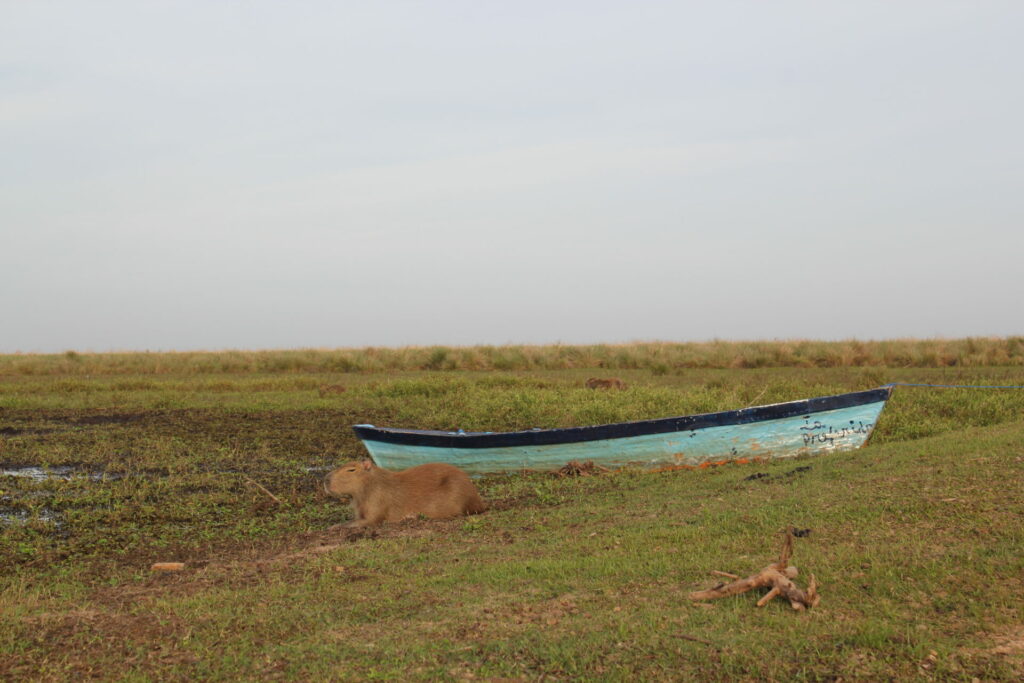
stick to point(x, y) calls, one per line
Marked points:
point(667, 425)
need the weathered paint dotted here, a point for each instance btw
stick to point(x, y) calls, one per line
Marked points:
point(820, 432)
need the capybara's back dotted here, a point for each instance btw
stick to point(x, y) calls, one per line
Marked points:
point(437, 490)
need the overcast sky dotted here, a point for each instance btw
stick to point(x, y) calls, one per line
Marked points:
point(210, 175)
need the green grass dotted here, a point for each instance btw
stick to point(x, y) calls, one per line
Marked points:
point(916, 540)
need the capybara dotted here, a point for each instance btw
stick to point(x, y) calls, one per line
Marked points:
point(378, 495)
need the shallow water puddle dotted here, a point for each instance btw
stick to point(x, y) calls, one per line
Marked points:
point(65, 472)
point(12, 516)
point(39, 473)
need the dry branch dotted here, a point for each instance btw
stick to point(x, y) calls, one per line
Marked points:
point(262, 488)
point(777, 576)
point(575, 468)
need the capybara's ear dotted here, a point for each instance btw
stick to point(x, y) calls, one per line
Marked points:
point(367, 464)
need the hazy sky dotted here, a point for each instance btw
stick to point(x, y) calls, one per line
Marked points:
point(208, 175)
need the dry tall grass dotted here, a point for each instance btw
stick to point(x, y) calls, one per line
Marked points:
point(658, 357)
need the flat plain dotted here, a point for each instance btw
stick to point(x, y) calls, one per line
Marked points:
point(113, 462)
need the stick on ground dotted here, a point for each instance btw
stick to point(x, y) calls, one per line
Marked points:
point(777, 576)
point(262, 488)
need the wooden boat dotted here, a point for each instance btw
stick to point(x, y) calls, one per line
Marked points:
point(780, 430)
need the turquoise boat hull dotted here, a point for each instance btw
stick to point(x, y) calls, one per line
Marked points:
point(808, 427)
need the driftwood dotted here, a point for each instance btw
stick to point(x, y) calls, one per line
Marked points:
point(778, 576)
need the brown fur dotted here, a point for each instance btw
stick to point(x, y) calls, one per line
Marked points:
point(434, 490)
point(610, 383)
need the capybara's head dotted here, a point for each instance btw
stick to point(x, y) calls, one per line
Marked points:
point(348, 479)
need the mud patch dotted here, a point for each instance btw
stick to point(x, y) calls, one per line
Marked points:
point(116, 418)
point(17, 431)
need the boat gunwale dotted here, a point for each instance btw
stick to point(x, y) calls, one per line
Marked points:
point(619, 430)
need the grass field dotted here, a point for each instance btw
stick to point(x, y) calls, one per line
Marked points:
point(658, 357)
point(916, 540)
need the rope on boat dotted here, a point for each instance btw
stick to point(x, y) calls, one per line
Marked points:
point(956, 386)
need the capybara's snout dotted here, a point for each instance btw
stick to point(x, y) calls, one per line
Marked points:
point(338, 484)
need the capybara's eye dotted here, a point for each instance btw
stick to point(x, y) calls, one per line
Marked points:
point(351, 470)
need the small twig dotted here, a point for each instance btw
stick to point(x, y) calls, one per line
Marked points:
point(754, 400)
point(695, 639)
point(725, 574)
point(261, 487)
